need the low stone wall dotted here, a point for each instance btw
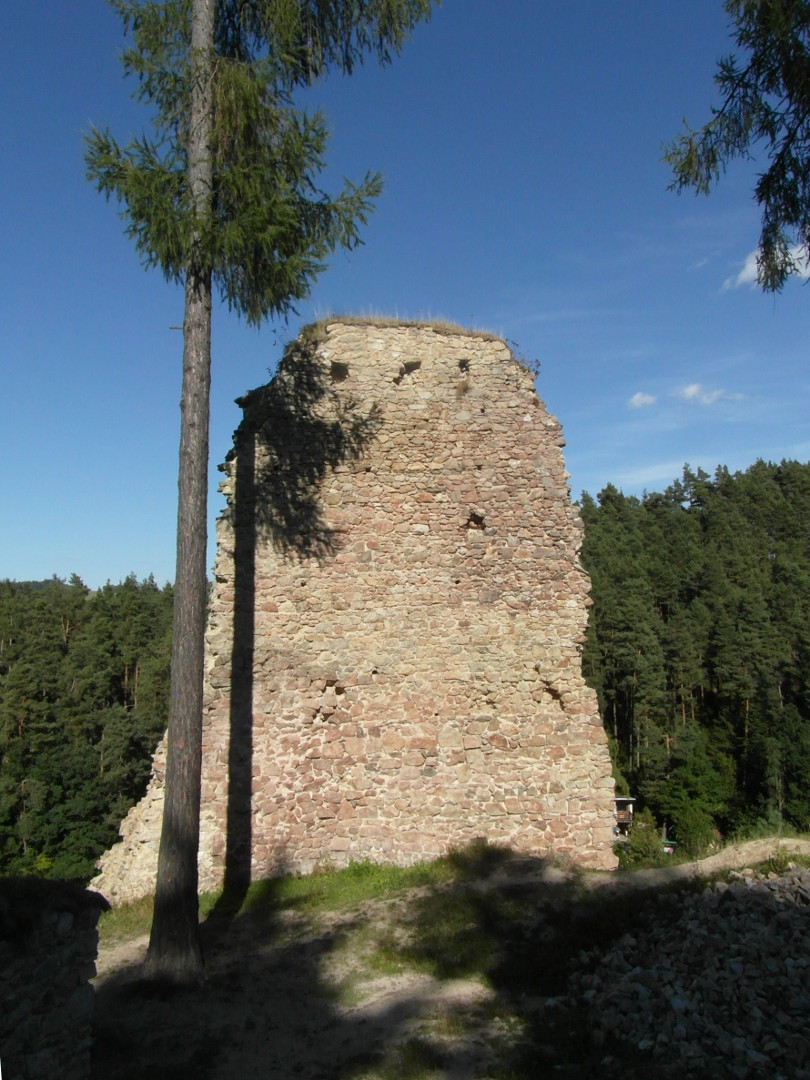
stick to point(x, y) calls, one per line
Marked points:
point(48, 945)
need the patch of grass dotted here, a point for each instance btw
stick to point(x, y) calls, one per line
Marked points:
point(478, 859)
point(415, 1059)
point(324, 890)
point(126, 922)
point(457, 1041)
point(387, 957)
point(782, 861)
point(357, 960)
point(134, 920)
point(451, 935)
point(449, 1024)
point(332, 890)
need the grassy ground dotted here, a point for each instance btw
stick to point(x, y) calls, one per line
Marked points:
point(453, 969)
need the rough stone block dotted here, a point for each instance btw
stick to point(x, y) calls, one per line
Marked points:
point(419, 546)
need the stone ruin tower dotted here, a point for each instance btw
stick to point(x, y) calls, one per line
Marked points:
point(393, 662)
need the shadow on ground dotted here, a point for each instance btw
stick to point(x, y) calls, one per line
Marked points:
point(459, 980)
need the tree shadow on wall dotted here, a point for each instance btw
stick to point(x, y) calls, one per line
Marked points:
point(295, 430)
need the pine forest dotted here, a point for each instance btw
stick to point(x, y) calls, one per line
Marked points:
point(698, 646)
point(84, 679)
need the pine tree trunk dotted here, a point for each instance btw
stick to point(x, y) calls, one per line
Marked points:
point(174, 945)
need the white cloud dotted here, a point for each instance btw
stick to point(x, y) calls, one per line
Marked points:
point(748, 274)
point(640, 400)
point(694, 392)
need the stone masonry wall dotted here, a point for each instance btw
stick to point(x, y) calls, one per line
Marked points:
point(48, 944)
point(395, 628)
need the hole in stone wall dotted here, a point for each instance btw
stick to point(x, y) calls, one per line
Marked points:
point(475, 520)
point(407, 368)
point(549, 687)
point(552, 690)
point(464, 366)
point(339, 371)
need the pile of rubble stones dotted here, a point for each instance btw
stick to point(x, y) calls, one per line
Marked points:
point(711, 984)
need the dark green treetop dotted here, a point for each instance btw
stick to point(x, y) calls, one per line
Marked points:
point(698, 646)
point(84, 680)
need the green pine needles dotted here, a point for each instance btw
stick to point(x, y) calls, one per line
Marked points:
point(698, 646)
point(765, 106)
point(223, 196)
point(269, 227)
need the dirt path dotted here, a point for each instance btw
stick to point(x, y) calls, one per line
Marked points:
point(307, 998)
point(296, 1003)
point(733, 857)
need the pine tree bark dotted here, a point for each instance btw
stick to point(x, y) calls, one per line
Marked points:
point(174, 945)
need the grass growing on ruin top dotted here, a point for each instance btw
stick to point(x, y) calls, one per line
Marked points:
point(317, 330)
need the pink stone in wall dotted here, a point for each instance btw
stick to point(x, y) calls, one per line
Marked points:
point(389, 533)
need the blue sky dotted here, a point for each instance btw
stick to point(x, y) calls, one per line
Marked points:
point(520, 143)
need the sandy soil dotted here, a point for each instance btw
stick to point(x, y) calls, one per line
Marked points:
point(294, 1002)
